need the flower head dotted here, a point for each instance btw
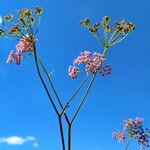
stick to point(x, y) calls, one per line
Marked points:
point(92, 63)
point(25, 44)
point(119, 135)
point(134, 128)
point(14, 57)
point(14, 30)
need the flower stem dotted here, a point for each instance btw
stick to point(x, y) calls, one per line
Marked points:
point(53, 88)
point(61, 132)
point(115, 42)
point(51, 100)
point(84, 97)
point(45, 87)
point(75, 93)
point(126, 148)
point(69, 136)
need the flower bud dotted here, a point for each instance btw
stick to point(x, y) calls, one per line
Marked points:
point(9, 17)
point(14, 30)
point(38, 11)
point(1, 32)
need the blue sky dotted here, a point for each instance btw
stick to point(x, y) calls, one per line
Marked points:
point(24, 106)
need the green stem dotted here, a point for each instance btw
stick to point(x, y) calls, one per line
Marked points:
point(52, 85)
point(119, 40)
point(115, 38)
point(44, 85)
point(39, 22)
point(61, 132)
point(97, 37)
point(80, 105)
point(8, 38)
point(112, 37)
point(105, 35)
point(69, 137)
point(128, 144)
point(84, 97)
point(51, 100)
point(75, 93)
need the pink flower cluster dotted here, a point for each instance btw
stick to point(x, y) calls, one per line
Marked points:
point(118, 135)
point(14, 57)
point(133, 128)
point(24, 45)
point(130, 123)
point(92, 61)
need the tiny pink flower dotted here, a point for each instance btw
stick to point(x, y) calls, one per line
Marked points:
point(14, 57)
point(72, 72)
point(138, 120)
point(92, 61)
point(118, 135)
point(17, 58)
point(24, 45)
point(83, 58)
point(10, 57)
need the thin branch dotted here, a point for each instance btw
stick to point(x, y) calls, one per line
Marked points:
point(129, 140)
point(84, 97)
point(75, 93)
point(61, 132)
point(52, 85)
point(69, 137)
point(119, 40)
point(45, 87)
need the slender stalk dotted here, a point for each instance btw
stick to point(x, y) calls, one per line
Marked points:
point(82, 101)
point(61, 132)
point(50, 81)
point(9, 38)
point(51, 100)
point(119, 40)
point(74, 94)
point(105, 35)
point(40, 76)
point(84, 97)
point(126, 148)
point(99, 39)
point(69, 137)
point(112, 37)
point(53, 88)
point(39, 22)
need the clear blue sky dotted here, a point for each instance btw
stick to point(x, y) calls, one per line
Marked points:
point(24, 106)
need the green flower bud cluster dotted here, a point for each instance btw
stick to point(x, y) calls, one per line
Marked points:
point(112, 34)
point(14, 30)
point(1, 32)
point(93, 29)
point(105, 24)
point(8, 17)
point(38, 11)
point(124, 27)
point(27, 20)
